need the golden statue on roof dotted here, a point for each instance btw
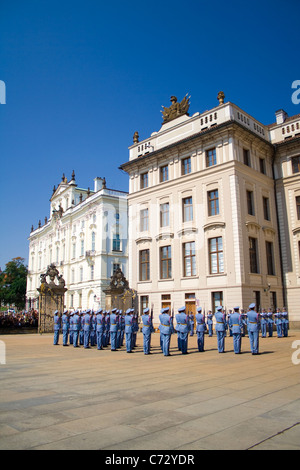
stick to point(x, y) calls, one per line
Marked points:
point(176, 109)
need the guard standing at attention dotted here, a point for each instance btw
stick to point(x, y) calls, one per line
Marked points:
point(270, 322)
point(200, 328)
point(285, 322)
point(210, 323)
point(263, 323)
point(220, 329)
point(165, 330)
point(71, 327)
point(81, 332)
point(87, 329)
point(113, 329)
point(65, 327)
point(128, 330)
point(99, 328)
point(76, 328)
point(253, 328)
point(183, 325)
point(236, 327)
point(278, 322)
point(57, 326)
point(147, 330)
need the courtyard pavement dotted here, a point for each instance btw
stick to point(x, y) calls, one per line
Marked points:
point(62, 398)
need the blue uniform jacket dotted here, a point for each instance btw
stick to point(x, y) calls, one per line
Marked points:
point(147, 324)
point(165, 324)
point(235, 322)
point(200, 320)
point(220, 321)
point(128, 323)
point(114, 320)
point(252, 321)
point(183, 323)
point(76, 322)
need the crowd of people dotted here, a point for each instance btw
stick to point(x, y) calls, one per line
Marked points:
point(19, 320)
point(103, 328)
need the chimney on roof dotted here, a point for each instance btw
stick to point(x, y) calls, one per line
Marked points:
point(98, 183)
point(281, 116)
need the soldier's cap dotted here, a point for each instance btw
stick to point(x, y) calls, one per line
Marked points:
point(88, 310)
point(56, 311)
point(199, 309)
point(65, 311)
point(181, 309)
point(166, 309)
point(236, 308)
point(99, 311)
point(114, 310)
point(219, 308)
point(162, 310)
point(121, 311)
point(128, 311)
point(146, 310)
point(252, 305)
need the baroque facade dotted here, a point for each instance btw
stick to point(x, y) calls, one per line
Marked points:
point(214, 211)
point(85, 237)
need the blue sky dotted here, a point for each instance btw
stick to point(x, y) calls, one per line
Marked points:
point(82, 77)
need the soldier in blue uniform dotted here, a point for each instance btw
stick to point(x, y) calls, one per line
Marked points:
point(113, 329)
point(128, 330)
point(220, 329)
point(183, 325)
point(81, 332)
point(87, 329)
point(147, 330)
point(244, 322)
point(270, 322)
point(71, 327)
point(99, 328)
point(65, 327)
point(253, 329)
point(192, 324)
point(57, 326)
point(165, 330)
point(122, 319)
point(200, 329)
point(278, 322)
point(285, 322)
point(236, 327)
point(76, 328)
point(210, 323)
point(135, 327)
point(107, 328)
point(263, 323)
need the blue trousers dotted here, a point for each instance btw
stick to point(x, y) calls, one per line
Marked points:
point(113, 340)
point(279, 330)
point(75, 338)
point(146, 344)
point(200, 340)
point(165, 344)
point(253, 337)
point(100, 339)
point(210, 329)
point(56, 337)
point(237, 340)
point(65, 337)
point(270, 328)
point(221, 340)
point(263, 330)
point(128, 337)
point(183, 342)
point(86, 338)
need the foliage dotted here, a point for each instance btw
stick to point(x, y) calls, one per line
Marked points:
point(13, 283)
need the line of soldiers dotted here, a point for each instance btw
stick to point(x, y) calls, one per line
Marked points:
point(99, 328)
point(103, 328)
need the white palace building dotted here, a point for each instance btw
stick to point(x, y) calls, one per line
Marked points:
point(214, 211)
point(85, 237)
point(212, 217)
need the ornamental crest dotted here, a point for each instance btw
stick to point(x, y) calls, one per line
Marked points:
point(176, 109)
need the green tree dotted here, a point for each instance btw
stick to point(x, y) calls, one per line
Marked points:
point(13, 283)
